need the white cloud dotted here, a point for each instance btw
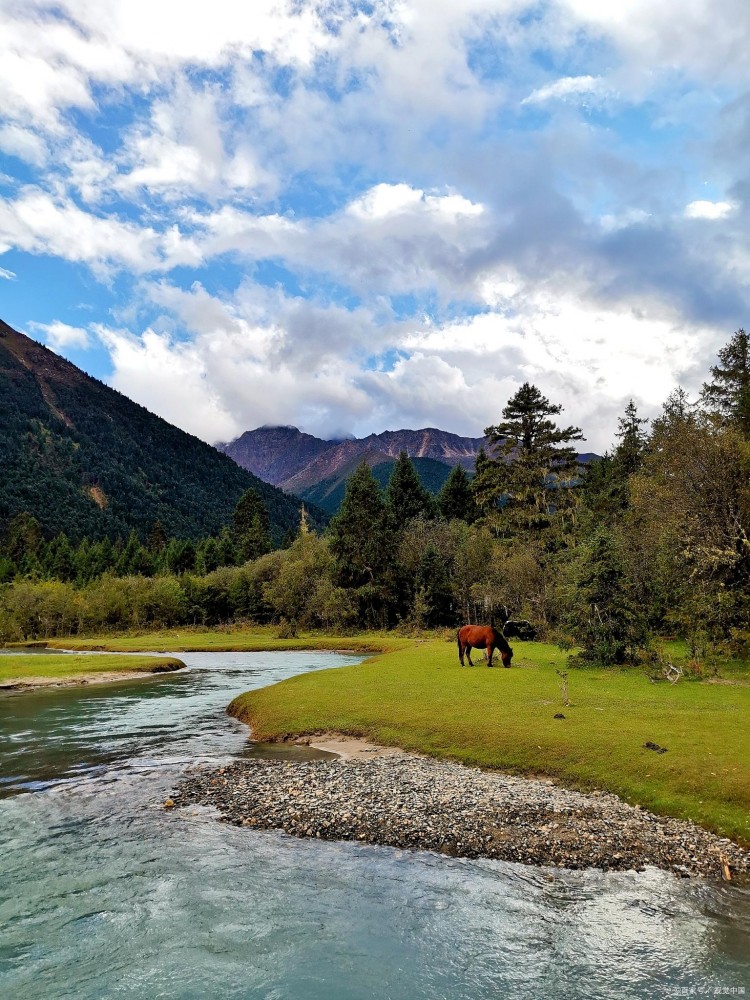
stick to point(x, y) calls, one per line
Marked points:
point(185, 150)
point(697, 37)
point(567, 86)
point(23, 143)
point(709, 209)
point(60, 336)
point(393, 238)
point(37, 223)
point(262, 357)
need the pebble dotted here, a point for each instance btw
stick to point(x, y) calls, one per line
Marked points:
point(420, 804)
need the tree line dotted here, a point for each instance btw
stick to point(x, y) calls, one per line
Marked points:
point(652, 538)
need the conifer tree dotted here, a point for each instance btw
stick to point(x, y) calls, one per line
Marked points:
point(227, 551)
point(456, 498)
point(633, 440)
point(24, 538)
point(60, 563)
point(728, 392)
point(605, 489)
point(360, 536)
point(406, 496)
point(525, 485)
point(250, 526)
point(157, 539)
point(207, 556)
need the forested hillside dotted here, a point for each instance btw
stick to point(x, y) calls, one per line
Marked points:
point(86, 461)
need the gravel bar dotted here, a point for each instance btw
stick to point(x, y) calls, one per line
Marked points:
point(420, 804)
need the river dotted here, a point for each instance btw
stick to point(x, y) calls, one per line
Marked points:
point(104, 894)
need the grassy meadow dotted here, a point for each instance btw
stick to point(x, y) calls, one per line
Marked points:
point(258, 639)
point(419, 698)
point(61, 666)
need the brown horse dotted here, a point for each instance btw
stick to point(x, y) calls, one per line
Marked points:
point(483, 637)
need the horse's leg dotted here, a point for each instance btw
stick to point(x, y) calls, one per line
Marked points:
point(468, 654)
point(490, 651)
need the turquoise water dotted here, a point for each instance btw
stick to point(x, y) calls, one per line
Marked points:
point(105, 894)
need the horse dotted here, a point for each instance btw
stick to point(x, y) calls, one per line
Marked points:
point(483, 637)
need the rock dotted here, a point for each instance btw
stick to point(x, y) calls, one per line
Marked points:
point(411, 802)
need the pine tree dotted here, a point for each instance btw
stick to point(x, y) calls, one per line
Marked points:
point(606, 622)
point(62, 563)
point(728, 393)
point(250, 526)
point(605, 482)
point(456, 498)
point(630, 451)
point(179, 557)
point(360, 536)
point(227, 551)
point(207, 556)
point(526, 485)
point(406, 496)
point(157, 539)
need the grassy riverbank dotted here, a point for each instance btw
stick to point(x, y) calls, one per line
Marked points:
point(419, 698)
point(60, 668)
point(259, 639)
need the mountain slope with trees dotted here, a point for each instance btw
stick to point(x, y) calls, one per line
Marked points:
point(86, 461)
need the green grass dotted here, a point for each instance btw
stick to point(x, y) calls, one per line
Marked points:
point(59, 665)
point(256, 640)
point(418, 697)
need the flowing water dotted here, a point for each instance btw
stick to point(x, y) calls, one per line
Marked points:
point(105, 894)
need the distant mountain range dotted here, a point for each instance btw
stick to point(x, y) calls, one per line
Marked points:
point(295, 461)
point(316, 470)
point(86, 460)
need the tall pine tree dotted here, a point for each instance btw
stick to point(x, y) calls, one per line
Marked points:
point(456, 498)
point(360, 536)
point(406, 496)
point(525, 485)
point(728, 392)
point(250, 526)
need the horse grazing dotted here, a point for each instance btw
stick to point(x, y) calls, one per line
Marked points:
point(483, 637)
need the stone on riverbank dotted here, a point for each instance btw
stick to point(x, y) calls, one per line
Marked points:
point(415, 803)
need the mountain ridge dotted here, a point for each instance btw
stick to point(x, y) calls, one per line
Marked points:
point(296, 461)
point(85, 460)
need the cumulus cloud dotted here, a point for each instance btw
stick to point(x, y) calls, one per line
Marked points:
point(708, 209)
point(60, 336)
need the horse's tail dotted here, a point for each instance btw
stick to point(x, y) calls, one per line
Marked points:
point(458, 640)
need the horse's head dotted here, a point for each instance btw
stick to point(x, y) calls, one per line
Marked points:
point(506, 657)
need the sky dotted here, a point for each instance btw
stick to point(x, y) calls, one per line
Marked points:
point(360, 216)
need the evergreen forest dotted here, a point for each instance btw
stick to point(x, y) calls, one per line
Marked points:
point(652, 539)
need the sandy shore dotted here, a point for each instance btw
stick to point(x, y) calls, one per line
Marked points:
point(382, 795)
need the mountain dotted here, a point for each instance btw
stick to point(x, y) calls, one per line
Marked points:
point(299, 462)
point(329, 493)
point(86, 460)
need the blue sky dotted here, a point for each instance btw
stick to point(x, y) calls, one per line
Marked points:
point(360, 216)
